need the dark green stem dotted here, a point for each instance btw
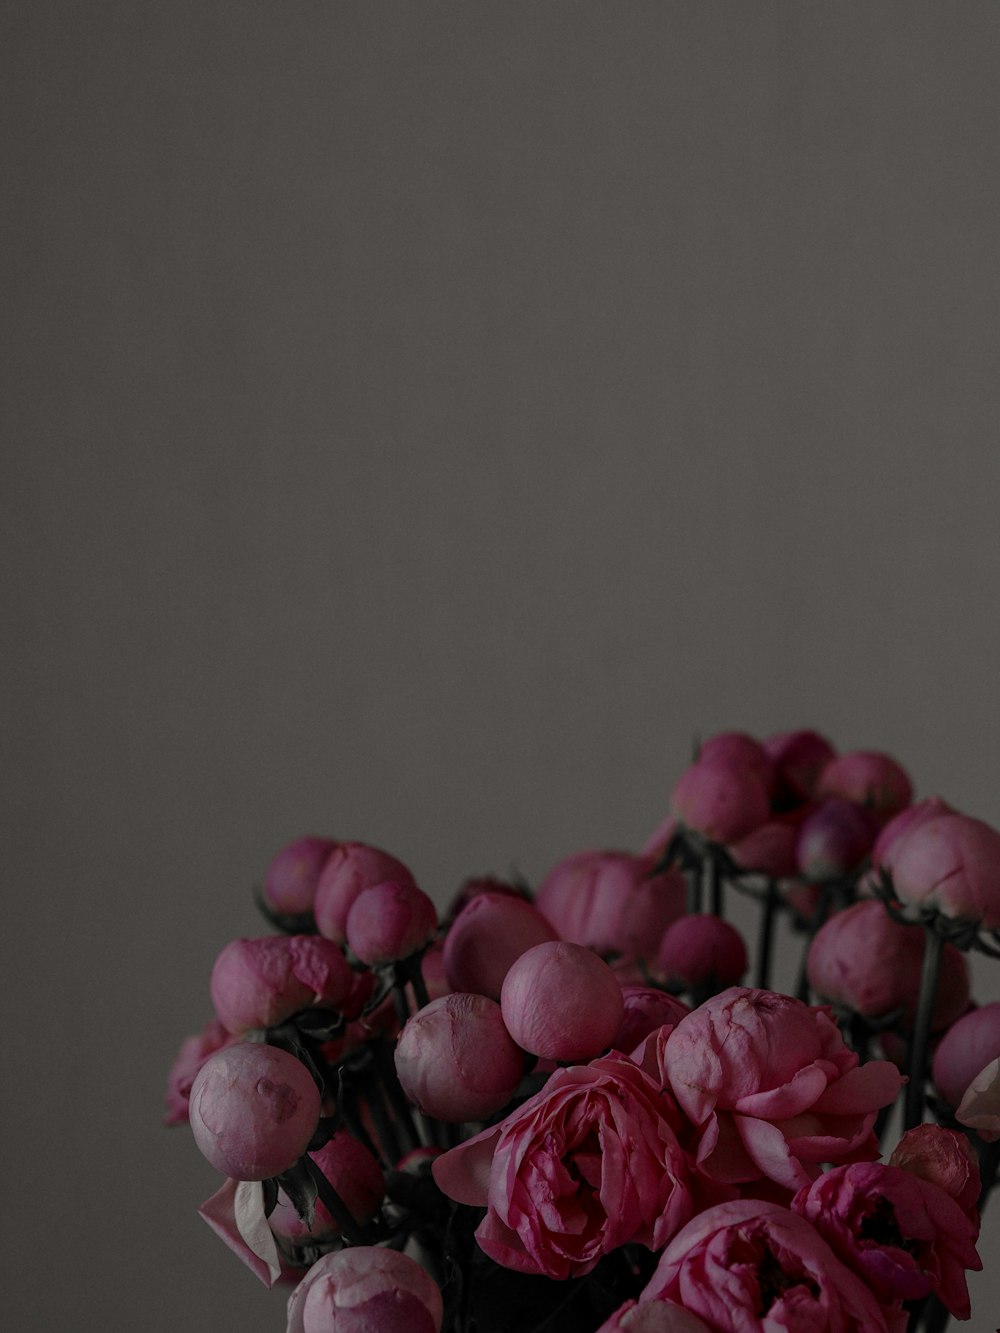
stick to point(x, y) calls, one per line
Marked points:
point(713, 885)
point(765, 937)
point(933, 948)
point(334, 1204)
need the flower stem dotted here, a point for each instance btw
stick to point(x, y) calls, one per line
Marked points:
point(933, 948)
point(765, 938)
point(334, 1204)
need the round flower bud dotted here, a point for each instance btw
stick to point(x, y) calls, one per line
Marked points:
point(701, 950)
point(739, 750)
point(950, 863)
point(868, 778)
point(193, 1053)
point(768, 850)
point(646, 1010)
point(389, 922)
point(259, 983)
point(291, 879)
point(720, 801)
point(905, 822)
point(351, 868)
point(254, 1109)
point(799, 758)
point(965, 1050)
point(456, 1060)
point(834, 839)
point(362, 1289)
point(560, 1001)
point(355, 1175)
point(487, 936)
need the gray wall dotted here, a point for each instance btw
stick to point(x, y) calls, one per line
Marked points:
point(421, 420)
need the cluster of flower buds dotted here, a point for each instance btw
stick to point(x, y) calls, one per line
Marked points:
point(566, 1107)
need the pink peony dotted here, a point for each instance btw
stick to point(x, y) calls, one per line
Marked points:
point(456, 1060)
point(351, 868)
point(355, 1175)
point(720, 801)
point(560, 1001)
point(646, 1010)
point(950, 863)
point(389, 922)
point(259, 983)
point(254, 1109)
point(965, 1049)
point(943, 1158)
point(607, 902)
point(864, 960)
point(834, 839)
point(904, 1236)
point(701, 950)
point(772, 1088)
point(586, 1165)
point(740, 751)
point(868, 778)
point(799, 758)
point(907, 820)
point(653, 1317)
point(489, 934)
point(365, 1289)
point(291, 879)
point(755, 1267)
point(192, 1055)
point(768, 849)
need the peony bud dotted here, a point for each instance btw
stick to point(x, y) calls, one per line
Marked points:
point(702, 950)
point(646, 1010)
point(254, 1109)
point(362, 1289)
point(799, 758)
point(390, 922)
point(560, 1001)
point(965, 1050)
point(739, 750)
point(351, 868)
point(259, 983)
point(868, 778)
point(291, 879)
point(834, 839)
point(950, 863)
point(768, 850)
point(456, 1060)
point(721, 802)
point(487, 936)
point(192, 1055)
point(355, 1175)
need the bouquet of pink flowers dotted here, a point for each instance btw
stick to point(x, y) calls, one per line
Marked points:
point(566, 1111)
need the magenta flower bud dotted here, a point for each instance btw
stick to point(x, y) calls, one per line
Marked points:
point(799, 758)
point(943, 1158)
point(351, 868)
point(721, 802)
point(646, 1010)
point(701, 950)
point(390, 922)
point(950, 863)
point(291, 879)
point(739, 750)
point(907, 820)
point(606, 902)
point(768, 850)
point(259, 983)
point(363, 1289)
point(192, 1055)
point(560, 1001)
point(456, 1060)
point(479, 884)
point(487, 936)
point(834, 839)
point(862, 959)
point(868, 778)
point(355, 1175)
point(254, 1109)
point(965, 1050)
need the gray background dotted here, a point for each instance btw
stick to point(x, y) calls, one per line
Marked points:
point(421, 420)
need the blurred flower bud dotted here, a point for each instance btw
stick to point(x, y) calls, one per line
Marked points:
point(457, 1061)
point(486, 937)
point(868, 778)
point(192, 1055)
point(951, 863)
point(355, 1175)
point(362, 1289)
point(390, 922)
point(834, 839)
point(701, 950)
point(739, 750)
point(799, 758)
point(254, 1109)
point(864, 960)
point(768, 850)
point(720, 801)
point(907, 820)
point(351, 868)
point(965, 1050)
point(291, 879)
point(562, 1002)
point(259, 983)
point(479, 884)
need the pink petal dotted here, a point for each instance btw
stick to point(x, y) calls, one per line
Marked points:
point(504, 1246)
point(792, 1098)
point(769, 1149)
point(861, 1090)
point(236, 1214)
point(463, 1173)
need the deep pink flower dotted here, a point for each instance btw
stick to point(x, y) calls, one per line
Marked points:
point(772, 1089)
point(192, 1055)
point(291, 879)
point(864, 960)
point(944, 1158)
point(351, 868)
point(741, 751)
point(768, 849)
point(607, 902)
point(700, 950)
point(755, 1267)
point(965, 1049)
point(720, 801)
point(653, 1317)
point(586, 1165)
point(646, 1010)
point(389, 922)
point(907, 820)
point(364, 1289)
point(904, 1236)
point(560, 1001)
point(489, 934)
point(870, 778)
point(254, 1109)
point(951, 863)
point(259, 983)
point(355, 1175)
point(456, 1060)
point(799, 758)
point(834, 839)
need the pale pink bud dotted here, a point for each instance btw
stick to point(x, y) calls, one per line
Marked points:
point(868, 778)
point(951, 863)
point(944, 1158)
point(488, 935)
point(646, 1010)
point(965, 1049)
point(259, 983)
point(607, 902)
point(362, 1289)
point(254, 1109)
point(192, 1055)
point(799, 758)
point(354, 1174)
point(389, 922)
point(456, 1060)
point(721, 802)
point(291, 879)
point(560, 1001)
point(700, 950)
point(862, 959)
point(351, 868)
point(834, 839)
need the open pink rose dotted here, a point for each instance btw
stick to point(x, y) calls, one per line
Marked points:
point(903, 1235)
point(363, 1289)
point(772, 1089)
point(589, 1163)
point(755, 1267)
